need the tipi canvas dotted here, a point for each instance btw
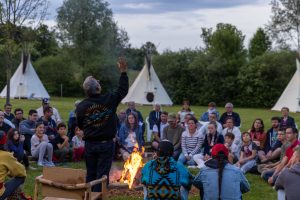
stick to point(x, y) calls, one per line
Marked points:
point(291, 95)
point(147, 88)
point(25, 82)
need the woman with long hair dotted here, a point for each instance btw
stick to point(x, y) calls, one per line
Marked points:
point(258, 135)
point(15, 145)
point(219, 174)
point(130, 135)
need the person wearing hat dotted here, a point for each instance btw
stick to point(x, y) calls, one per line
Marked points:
point(9, 166)
point(164, 178)
point(218, 174)
point(173, 133)
point(212, 108)
point(230, 114)
point(45, 103)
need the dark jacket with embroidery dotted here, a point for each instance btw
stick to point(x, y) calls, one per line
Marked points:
point(163, 178)
point(96, 115)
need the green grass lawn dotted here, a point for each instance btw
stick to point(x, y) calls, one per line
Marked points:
point(259, 189)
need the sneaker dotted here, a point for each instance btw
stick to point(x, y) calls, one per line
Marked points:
point(49, 163)
point(40, 164)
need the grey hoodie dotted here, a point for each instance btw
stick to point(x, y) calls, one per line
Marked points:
point(289, 180)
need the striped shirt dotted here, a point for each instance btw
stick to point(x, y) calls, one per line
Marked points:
point(191, 143)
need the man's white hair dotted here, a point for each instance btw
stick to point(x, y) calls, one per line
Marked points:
point(91, 86)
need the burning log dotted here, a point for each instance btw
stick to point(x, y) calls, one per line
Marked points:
point(132, 166)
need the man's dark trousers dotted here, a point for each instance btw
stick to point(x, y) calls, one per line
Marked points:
point(98, 159)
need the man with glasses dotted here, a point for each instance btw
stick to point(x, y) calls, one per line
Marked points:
point(27, 128)
point(18, 117)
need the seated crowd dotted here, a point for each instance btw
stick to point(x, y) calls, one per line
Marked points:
point(269, 153)
point(214, 143)
point(42, 136)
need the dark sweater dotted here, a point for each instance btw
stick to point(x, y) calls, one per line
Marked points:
point(96, 115)
point(234, 116)
point(218, 139)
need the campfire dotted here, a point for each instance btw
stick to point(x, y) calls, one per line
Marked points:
point(132, 166)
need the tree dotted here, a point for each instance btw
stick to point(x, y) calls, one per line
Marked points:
point(264, 78)
point(259, 43)
point(92, 38)
point(15, 14)
point(285, 22)
point(218, 67)
point(45, 43)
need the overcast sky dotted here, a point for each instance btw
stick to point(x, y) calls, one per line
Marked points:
point(176, 24)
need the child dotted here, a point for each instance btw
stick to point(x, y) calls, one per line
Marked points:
point(78, 145)
point(248, 153)
point(234, 150)
point(15, 144)
point(40, 146)
point(9, 167)
point(61, 144)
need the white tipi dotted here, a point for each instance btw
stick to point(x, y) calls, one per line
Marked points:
point(25, 82)
point(147, 88)
point(291, 95)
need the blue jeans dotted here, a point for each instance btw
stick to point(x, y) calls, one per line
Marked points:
point(98, 160)
point(183, 160)
point(11, 186)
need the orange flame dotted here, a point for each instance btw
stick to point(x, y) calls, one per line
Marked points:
point(131, 166)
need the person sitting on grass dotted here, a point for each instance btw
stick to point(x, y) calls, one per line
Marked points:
point(272, 147)
point(78, 145)
point(230, 128)
point(289, 178)
point(248, 154)
point(158, 129)
point(9, 167)
point(191, 143)
point(234, 150)
point(15, 145)
point(49, 123)
point(61, 145)
point(258, 136)
point(40, 146)
point(292, 137)
point(218, 179)
point(267, 170)
point(164, 178)
point(211, 139)
point(130, 136)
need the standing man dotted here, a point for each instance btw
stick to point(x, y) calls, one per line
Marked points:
point(96, 116)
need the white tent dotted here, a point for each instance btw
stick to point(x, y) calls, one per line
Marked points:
point(25, 82)
point(147, 89)
point(291, 95)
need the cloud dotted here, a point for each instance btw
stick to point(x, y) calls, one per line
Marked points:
point(176, 24)
point(140, 5)
point(162, 6)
